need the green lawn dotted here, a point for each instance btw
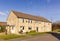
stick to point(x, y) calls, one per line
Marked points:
point(57, 30)
point(11, 36)
point(33, 33)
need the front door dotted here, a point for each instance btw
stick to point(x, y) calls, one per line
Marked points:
point(36, 29)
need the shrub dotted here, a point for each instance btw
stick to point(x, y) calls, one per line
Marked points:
point(26, 32)
point(3, 28)
point(33, 31)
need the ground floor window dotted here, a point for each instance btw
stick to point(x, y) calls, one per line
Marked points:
point(30, 28)
point(22, 27)
point(12, 28)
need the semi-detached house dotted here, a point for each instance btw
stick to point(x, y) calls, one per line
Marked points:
point(20, 22)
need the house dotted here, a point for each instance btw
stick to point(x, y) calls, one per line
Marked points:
point(18, 22)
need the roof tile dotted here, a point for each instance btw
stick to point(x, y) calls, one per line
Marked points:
point(23, 15)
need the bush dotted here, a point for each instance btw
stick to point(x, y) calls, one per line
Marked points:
point(26, 32)
point(33, 31)
point(2, 28)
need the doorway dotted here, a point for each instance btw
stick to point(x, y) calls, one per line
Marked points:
point(36, 29)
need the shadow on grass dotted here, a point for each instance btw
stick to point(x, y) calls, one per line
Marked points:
point(57, 35)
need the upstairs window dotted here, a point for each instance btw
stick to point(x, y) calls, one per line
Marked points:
point(48, 24)
point(29, 21)
point(22, 20)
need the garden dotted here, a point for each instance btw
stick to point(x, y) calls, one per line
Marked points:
point(13, 36)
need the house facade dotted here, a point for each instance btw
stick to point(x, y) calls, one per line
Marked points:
point(20, 22)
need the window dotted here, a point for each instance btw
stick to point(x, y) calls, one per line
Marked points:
point(29, 28)
point(26, 21)
point(12, 28)
point(22, 27)
point(48, 24)
point(22, 20)
point(44, 25)
point(29, 21)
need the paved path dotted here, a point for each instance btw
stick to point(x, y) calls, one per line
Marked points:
point(2, 40)
point(46, 37)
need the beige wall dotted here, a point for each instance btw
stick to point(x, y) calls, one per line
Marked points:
point(39, 24)
point(13, 20)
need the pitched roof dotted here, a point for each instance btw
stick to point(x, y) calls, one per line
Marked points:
point(23, 15)
point(3, 23)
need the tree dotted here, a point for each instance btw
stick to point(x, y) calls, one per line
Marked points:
point(56, 25)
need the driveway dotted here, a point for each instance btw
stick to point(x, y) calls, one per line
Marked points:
point(45, 37)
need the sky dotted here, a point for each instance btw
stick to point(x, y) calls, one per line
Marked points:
point(49, 9)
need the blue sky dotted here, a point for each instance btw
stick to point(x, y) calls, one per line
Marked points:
point(49, 9)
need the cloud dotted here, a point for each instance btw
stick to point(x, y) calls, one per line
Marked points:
point(2, 13)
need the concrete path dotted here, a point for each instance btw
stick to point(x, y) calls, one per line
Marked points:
point(2, 40)
point(46, 37)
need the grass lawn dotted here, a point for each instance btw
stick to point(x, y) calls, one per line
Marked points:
point(32, 33)
point(57, 30)
point(11, 36)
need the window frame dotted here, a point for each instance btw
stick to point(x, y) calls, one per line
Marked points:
point(29, 21)
point(22, 27)
point(29, 28)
